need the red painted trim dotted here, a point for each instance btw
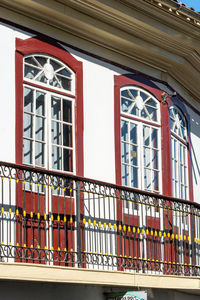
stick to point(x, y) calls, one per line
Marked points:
point(117, 131)
point(33, 45)
point(48, 89)
point(188, 144)
point(166, 151)
point(19, 107)
point(190, 175)
point(121, 81)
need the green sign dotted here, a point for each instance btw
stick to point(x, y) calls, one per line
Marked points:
point(131, 295)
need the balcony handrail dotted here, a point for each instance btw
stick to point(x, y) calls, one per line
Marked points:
point(54, 217)
point(98, 182)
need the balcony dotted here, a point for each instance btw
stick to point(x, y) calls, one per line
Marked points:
point(49, 218)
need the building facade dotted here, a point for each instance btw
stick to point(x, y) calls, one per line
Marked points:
point(100, 151)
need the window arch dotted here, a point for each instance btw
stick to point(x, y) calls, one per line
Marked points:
point(48, 71)
point(138, 102)
point(179, 153)
point(140, 139)
point(48, 100)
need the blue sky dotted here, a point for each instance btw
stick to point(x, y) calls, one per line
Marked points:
point(192, 3)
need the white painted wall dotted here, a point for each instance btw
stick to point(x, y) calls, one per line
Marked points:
point(194, 127)
point(7, 104)
point(7, 84)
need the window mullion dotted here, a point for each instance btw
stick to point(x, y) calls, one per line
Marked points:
point(151, 157)
point(129, 153)
point(61, 129)
point(48, 132)
point(140, 143)
point(34, 120)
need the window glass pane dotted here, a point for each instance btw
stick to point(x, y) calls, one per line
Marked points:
point(31, 61)
point(177, 122)
point(55, 108)
point(151, 102)
point(64, 82)
point(41, 60)
point(125, 152)
point(125, 105)
point(134, 177)
point(133, 93)
point(155, 159)
point(144, 114)
point(124, 131)
point(181, 153)
point(182, 192)
point(134, 111)
point(28, 100)
point(133, 133)
point(181, 174)
point(146, 135)
point(56, 133)
point(27, 151)
point(67, 135)
point(183, 132)
point(152, 113)
point(28, 125)
point(39, 129)
point(55, 82)
point(184, 155)
point(147, 179)
point(55, 64)
point(134, 155)
point(171, 123)
point(40, 104)
point(125, 175)
point(39, 154)
point(186, 175)
point(64, 72)
point(176, 189)
point(147, 157)
point(155, 181)
point(176, 169)
point(67, 111)
point(154, 137)
point(30, 72)
point(56, 158)
point(68, 160)
point(175, 146)
point(41, 77)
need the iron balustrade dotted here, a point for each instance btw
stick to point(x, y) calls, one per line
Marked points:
point(53, 218)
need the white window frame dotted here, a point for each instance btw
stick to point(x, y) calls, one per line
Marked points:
point(50, 91)
point(141, 122)
point(180, 141)
point(42, 84)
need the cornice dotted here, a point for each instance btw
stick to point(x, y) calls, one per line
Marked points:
point(180, 10)
point(130, 29)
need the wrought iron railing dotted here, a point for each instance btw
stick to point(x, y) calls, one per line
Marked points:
point(53, 218)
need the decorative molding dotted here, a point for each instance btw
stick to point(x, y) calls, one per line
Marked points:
point(141, 31)
point(44, 273)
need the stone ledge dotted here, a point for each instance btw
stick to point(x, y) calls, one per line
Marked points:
point(44, 273)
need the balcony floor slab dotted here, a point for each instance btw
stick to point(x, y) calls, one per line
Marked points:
point(59, 274)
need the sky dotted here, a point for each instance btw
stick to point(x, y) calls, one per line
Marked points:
point(192, 3)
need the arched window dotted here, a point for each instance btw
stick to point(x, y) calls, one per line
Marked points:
point(140, 139)
point(179, 153)
point(48, 71)
point(48, 117)
point(49, 107)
